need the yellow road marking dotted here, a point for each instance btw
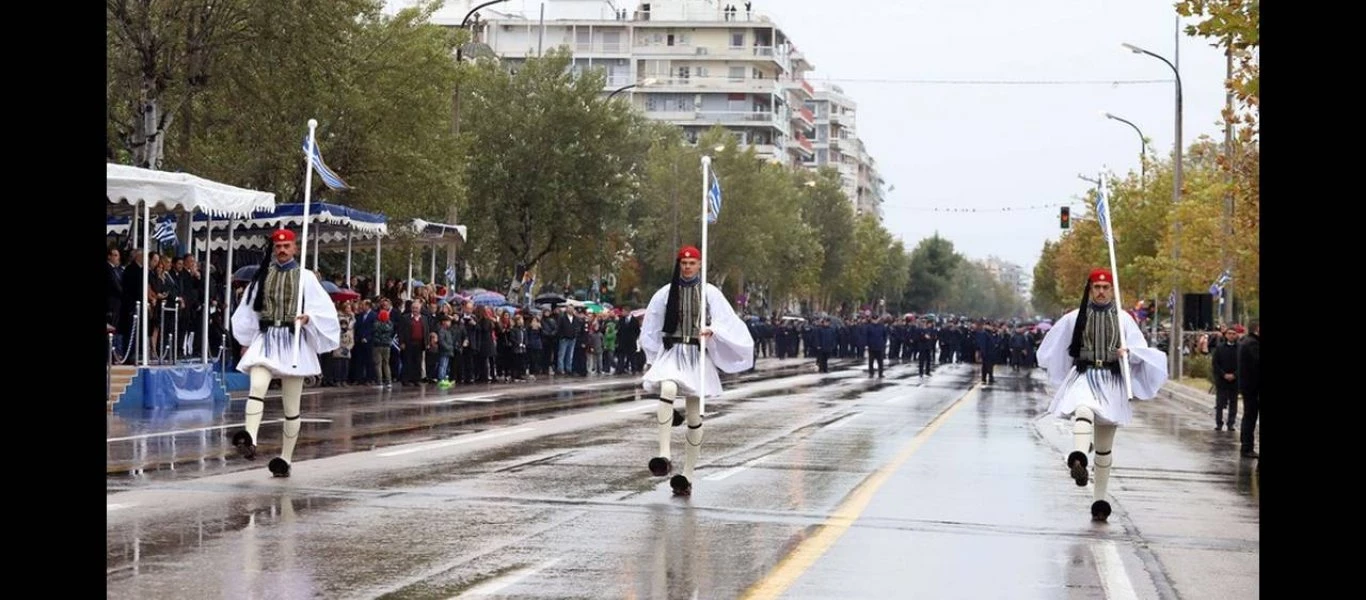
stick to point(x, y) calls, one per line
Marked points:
point(809, 550)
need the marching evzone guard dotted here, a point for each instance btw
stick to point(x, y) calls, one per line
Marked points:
point(1082, 354)
point(264, 323)
point(671, 335)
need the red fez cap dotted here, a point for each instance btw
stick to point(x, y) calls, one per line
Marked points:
point(689, 252)
point(282, 235)
point(1101, 275)
point(383, 316)
point(1240, 329)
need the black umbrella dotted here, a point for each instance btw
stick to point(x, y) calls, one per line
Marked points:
point(246, 273)
point(551, 299)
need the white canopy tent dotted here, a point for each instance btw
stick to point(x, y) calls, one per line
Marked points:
point(433, 235)
point(131, 186)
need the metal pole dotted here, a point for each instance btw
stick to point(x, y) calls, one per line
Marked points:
point(348, 259)
point(376, 291)
point(109, 371)
point(1176, 201)
point(146, 275)
point(1174, 359)
point(432, 280)
point(1226, 298)
point(204, 341)
point(227, 306)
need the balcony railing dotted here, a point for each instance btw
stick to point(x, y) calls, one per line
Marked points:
point(602, 48)
point(719, 84)
point(711, 52)
point(804, 144)
point(807, 116)
point(720, 117)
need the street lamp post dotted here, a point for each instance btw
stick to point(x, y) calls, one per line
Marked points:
point(452, 213)
point(642, 83)
point(1142, 150)
point(1174, 357)
point(465, 22)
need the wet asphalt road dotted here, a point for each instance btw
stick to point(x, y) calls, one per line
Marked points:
point(809, 486)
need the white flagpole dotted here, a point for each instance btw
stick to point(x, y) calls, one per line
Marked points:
point(702, 313)
point(303, 239)
point(1119, 304)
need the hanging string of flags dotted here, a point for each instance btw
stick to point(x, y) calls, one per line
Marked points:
point(959, 209)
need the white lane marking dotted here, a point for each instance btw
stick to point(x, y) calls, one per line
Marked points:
point(475, 398)
point(493, 586)
point(841, 422)
point(457, 441)
point(733, 470)
point(114, 507)
point(1112, 575)
point(199, 429)
point(639, 407)
point(895, 399)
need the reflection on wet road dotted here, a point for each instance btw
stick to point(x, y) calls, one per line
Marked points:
point(809, 486)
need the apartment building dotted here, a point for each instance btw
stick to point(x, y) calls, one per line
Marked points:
point(837, 144)
point(692, 64)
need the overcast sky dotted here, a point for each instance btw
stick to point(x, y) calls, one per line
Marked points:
point(1006, 146)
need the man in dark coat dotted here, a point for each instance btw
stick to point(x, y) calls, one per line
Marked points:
point(875, 333)
point(987, 342)
point(1224, 364)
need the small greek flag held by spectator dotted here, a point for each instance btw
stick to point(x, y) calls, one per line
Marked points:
point(1171, 301)
point(165, 230)
point(450, 275)
point(713, 199)
point(330, 178)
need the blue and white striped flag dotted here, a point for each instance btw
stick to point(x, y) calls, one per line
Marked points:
point(330, 178)
point(1103, 214)
point(450, 275)
point(1171, 301)
point(714, 199)
point(165, 231)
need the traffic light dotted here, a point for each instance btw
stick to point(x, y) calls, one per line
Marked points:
point(1065, 219)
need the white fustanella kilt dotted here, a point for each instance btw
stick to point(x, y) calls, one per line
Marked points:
point(274, 350)
point(679, 364)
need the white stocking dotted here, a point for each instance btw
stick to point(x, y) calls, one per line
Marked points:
point(664, 415)
point(292, 391)
point(1083, 420)
point(693, 436)
point(1105, 442)
point(256, 400)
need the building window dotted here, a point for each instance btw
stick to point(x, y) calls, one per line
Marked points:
point(737, 39)
point(737, 73)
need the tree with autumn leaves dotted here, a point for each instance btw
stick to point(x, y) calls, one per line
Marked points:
point(1142, 214)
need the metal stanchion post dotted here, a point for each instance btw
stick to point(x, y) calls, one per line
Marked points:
point(133, 333)
point(109, 370)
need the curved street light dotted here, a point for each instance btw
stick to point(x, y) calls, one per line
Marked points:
point(647, 82)
point(465, 22)
point(1175, 344)
point(1142, 150)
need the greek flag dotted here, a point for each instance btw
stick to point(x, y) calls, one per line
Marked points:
point(1171, 301)
point(450, 275)
point(330, 177)
point(1103, 214)
point(165, 230)
point(714, 199)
